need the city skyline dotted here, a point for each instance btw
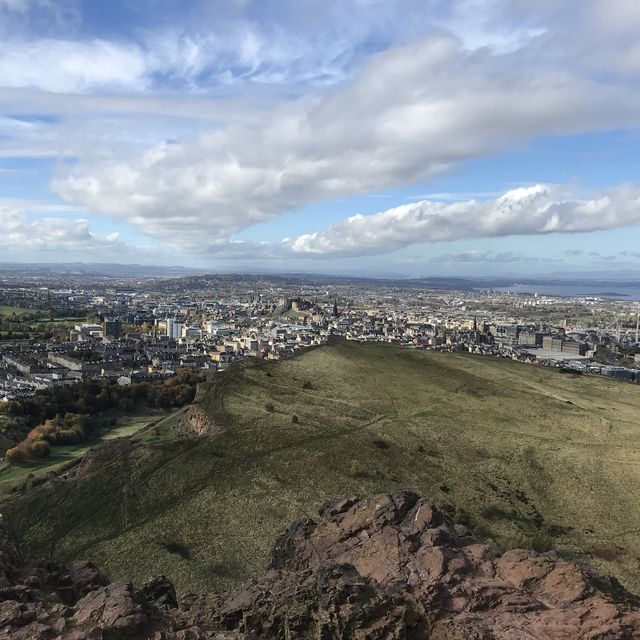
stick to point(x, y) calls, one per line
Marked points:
point(402, 138)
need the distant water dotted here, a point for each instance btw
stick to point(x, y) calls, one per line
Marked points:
point(610, 291)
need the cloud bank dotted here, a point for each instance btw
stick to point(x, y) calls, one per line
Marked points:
point(50, 234)
point(207, 117)
point(412, 113)
point(536, 210)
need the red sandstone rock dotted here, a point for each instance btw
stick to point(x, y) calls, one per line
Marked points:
point(390, 567)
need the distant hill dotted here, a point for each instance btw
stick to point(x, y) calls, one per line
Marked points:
point(526, 456)
point(615, 284)
point(107, 270)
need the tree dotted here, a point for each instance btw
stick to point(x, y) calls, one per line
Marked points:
point(39, 449)
point(14, 455)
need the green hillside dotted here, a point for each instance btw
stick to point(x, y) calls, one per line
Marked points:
point(527, 456)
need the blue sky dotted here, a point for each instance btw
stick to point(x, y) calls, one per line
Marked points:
point(395, 137)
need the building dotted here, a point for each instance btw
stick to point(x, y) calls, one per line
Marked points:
point(553, 343)
point(26, 365)
point(621, 373)
point(87, 330)
point(557, 343)
point(112, 328)
point(174, 328)
point(573, 347)
point(191, 332)
point(530, 338)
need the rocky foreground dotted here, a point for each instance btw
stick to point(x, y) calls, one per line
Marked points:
point(389, 567)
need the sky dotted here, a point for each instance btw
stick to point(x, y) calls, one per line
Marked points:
point(358, 137)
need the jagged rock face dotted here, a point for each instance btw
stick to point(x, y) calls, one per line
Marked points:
point(465, 589)
point(384, 568)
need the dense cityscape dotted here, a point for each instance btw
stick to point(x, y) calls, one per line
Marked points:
point(58, 331)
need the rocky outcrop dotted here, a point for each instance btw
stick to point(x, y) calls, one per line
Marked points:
point(390, 567)
point(195, 423)
point(206, 415)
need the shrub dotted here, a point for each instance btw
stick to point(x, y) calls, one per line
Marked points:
point(540, 542)
point(462, 516)
point(610, 554)
point(269, 407)
point(38, 449)
point(493, 512)
point(357, 469)
point(178, 549)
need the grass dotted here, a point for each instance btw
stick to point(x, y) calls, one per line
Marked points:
point(526, 456)
point(12, 475)
point(43, 315)
point(33, 329)
point(8, 311)
point(46, 323)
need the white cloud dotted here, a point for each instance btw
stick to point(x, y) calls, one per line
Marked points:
point(174, 59)
point(37, 206)
point(537, 210)
point(106, 125)
point(412, 113)
point(75, 66)
point(49, 234)
point(478, 77)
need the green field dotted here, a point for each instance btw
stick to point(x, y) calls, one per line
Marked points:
point(46, 323)
point(8, 311)
point(43, 318)
point(527, 456)
point(17, 328)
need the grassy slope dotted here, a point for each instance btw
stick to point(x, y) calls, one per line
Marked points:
point(61, 455)
point(524, 454)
